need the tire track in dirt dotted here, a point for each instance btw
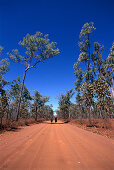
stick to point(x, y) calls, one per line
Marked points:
point(22, 146)
point(90, 151)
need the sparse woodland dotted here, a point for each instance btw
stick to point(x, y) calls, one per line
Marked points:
point(94, 81)
point(16, 102)
point(93, 86)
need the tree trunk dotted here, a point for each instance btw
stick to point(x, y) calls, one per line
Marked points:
point(36, 117)
point(8, 112)
point(20, 96)
point(36, 114)
point(1, 122)
point(69, 114)
point(89, 109)
point(112, 91)
point(89, 112)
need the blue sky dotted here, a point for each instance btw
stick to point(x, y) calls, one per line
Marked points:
point(62, 20)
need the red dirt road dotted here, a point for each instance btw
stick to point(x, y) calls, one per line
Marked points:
point(55, 147)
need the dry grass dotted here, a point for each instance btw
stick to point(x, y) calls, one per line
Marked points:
point(12, 124)
point(103, 127)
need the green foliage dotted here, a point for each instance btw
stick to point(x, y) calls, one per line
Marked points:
point(15, 90)
point(108, 69)
point(65, 98)
point(3, 98)
point(47, 112)
point(37, 49)
point(24, 110)
point(93, 75)
point(104, 101)
point(64, 102)
point(3, 70)
point(3, 104)
point(85, 78)
point(40, 100)
point(101, 89)
point(39, 104)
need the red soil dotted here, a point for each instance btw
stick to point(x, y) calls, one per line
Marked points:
point(57, 146)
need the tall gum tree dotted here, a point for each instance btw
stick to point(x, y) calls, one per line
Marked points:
point(38, 48)
point(93, 76)
point(64, 103)
point(85, 77)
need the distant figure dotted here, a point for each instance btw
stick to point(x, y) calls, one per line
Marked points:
point(51, 119)
point(55, 119)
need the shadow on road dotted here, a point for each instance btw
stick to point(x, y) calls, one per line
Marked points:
point(15, 129)
point(53, 123)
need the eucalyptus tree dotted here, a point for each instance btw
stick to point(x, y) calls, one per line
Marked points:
point(93, 77)
point(64, 101)
point(103, 95)
point(100, 80)
point(16, 88)
point(85, 76)
point(38, 48)
point(108, 69)
point(104, 78)
point(102, 84)
point(74, 111)
point(97, 58)
point(3, 70)
point(58, 113)
point(3, 98)
point(85, 50)
point(25, 109)
point(78, 73)
point(47, 111)
point(39, 103)
point(13, 94)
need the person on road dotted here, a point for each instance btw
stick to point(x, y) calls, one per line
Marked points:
point(55, 119)
point(51, 119)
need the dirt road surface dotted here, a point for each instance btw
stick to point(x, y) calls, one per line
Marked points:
point(55, 147)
